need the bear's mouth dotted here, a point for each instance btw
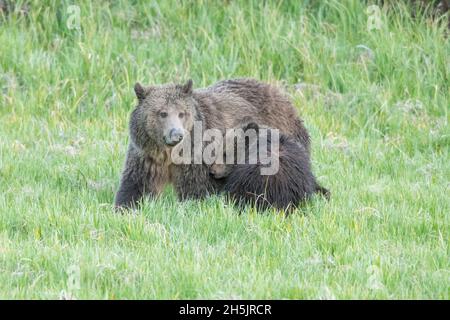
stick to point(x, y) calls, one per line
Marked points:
point(171, 144)
point(217, 176)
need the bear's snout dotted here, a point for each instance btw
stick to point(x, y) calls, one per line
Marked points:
point(217, 171)
point(175, 136)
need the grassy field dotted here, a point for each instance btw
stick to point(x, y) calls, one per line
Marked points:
point(376, 101)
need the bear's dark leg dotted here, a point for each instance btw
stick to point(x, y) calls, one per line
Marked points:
point(141, 176)
point(129, 193)
point(193, 181)
point(323, 191)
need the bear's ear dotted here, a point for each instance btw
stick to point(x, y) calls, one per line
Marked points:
point(187, 87)
point(252, 125)
point(140, 91)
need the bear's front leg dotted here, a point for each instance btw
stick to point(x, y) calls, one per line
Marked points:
point(141, 176)
point(192, 181)
point(130, 191)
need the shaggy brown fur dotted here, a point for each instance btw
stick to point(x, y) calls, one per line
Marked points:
point(165, 114)
point(292, 184)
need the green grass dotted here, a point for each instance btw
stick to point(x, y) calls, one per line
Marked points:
point(381, 144)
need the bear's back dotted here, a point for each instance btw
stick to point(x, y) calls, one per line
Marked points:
point(228, 101)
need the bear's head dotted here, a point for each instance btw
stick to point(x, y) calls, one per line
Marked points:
point(164, 115)
point(239, 143)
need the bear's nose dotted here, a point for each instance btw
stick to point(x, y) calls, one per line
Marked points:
point(175, 136)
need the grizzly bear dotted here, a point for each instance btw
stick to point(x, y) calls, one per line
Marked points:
point(165, 116)
point(285, 189)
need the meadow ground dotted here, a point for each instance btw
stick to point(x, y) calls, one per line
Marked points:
point(373, 93)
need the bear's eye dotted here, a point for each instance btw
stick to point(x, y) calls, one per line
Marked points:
point(181, 115)
point(163, 114)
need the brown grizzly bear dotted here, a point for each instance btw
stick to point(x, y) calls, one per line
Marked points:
point(165, 115)
point(285, 189)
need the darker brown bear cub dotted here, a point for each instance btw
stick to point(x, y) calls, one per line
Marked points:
point(292, 183)
point(164, 117)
